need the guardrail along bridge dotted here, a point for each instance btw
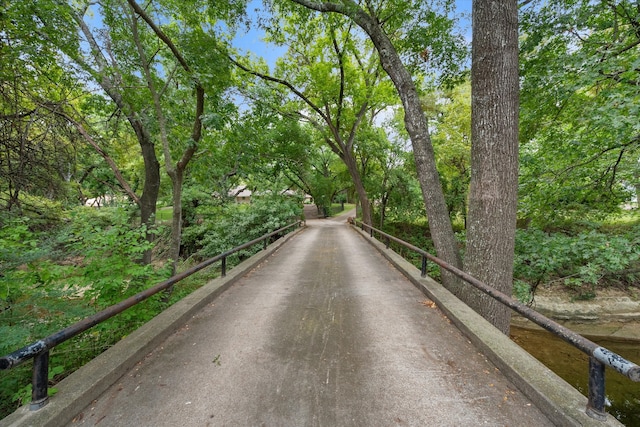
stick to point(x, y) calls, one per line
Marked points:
point(325, 327)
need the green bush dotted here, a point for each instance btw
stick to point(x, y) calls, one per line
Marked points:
point(236, 224)
point(581, 262)
point(418, 235)
point(42, 292)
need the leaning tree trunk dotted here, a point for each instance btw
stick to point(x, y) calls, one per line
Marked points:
point(416, 124)
point(352, 167)
point(494, 154)
point(107, 76)
point(151, 188)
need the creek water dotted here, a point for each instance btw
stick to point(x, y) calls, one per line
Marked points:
point(573, 366)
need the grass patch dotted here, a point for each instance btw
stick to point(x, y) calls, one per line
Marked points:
point(337, 208)
point(622, 223)
point(164, 214)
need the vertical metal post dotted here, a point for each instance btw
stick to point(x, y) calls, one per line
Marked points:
point(264, 246)
point(39, 382)
point(223, 273)
point(595, 405)
point(370, 231)
point(388, 242)
point(423, 270)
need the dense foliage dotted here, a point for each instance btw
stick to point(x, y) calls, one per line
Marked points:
point(580, 137)
point(582, 262)
point(234, 224)
point(57, 273)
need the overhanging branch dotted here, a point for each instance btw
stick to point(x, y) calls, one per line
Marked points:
point(87, 136)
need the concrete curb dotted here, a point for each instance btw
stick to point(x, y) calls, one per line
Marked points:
point(558, 400)
point(83, 386)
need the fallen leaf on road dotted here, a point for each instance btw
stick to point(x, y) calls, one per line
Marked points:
point(428, 303)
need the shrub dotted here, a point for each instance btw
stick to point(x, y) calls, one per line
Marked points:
point(235, 224)
point(581, 262)
point(40, 292)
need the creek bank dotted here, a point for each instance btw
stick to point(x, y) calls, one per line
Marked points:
point(612, 314)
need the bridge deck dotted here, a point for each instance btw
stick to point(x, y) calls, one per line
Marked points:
point(324, 333)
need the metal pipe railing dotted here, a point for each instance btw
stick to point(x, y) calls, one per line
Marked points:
point(599, 357)
point(39, 350)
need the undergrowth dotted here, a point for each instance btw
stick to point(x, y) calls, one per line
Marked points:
point(583, 262)
point(53, 276)
point(578, 258)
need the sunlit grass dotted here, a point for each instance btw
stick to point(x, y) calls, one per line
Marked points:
point(621, 223)
point(336, 208)
point(164, 214)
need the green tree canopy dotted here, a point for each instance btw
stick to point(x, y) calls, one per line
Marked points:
point(580, 68)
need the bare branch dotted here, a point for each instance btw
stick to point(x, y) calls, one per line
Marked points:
point(285, 83)
point(196, 133)
point(160, 34)
point(87, 136)
point(16, 116)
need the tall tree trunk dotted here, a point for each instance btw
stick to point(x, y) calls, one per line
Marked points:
point(106, 75)
point(416, 124)
point(352, 167)
point(494, 155)
point(175, 172)
point(383, 210)
point(151, 187)
point(177, 179)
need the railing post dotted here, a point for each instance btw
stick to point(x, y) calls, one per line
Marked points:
point(595, 405)
point(370, 232)
point(264, 246)
point(223, 267)
point(39, 382)
point(388, 242)
point(423, 270)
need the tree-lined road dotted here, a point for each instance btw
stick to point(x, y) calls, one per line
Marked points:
point(323, 333)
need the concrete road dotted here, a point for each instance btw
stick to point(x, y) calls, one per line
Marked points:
point(324, 333)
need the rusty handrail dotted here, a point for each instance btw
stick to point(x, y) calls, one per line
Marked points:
point(39, 350)
point(598, 356)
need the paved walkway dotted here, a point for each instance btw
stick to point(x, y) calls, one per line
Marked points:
point(324, 333)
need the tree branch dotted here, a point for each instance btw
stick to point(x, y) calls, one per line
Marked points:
point(340, 56)
point(160, 34)
point(16, 116)
point(162, 122)
point(323, 6)
point(196, 132)
point(87, 136)
point(282, 82)
point(598, 155)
